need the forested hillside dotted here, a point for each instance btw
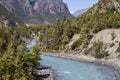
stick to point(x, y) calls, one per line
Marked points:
point(104, 15)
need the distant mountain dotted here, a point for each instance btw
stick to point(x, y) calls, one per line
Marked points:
point(37, 11)
point(80, 12)
point(8, 19)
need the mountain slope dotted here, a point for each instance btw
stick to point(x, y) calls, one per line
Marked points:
point(105, 14)
point(8, 19)
point(37, 11)
point(80, 12)
point(105, 6)
point(94, 40)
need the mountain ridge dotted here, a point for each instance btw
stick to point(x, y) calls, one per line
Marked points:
point(38, 11)
point(80, 12)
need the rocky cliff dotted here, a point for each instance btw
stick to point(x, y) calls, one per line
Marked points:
point(8, 19)
point(37, 11)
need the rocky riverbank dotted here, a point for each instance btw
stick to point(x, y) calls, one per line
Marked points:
point(44, 73)
point(115, 63)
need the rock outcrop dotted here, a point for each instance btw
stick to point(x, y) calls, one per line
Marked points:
point(8, 19)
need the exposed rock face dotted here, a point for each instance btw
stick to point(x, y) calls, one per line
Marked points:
point(37, 11)
point(110, 39)
point(8, 19)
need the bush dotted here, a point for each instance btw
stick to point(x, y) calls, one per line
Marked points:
point(80, 41)
point(76, 44)
point(99, 52)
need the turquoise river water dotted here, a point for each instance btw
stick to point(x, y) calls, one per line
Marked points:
point(67, 69)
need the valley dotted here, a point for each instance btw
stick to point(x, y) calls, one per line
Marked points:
point(91, 36)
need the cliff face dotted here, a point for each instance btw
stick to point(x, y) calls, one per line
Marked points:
point(37, 11)
point(8, 19)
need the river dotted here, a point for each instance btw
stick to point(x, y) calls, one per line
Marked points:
point(67, 69)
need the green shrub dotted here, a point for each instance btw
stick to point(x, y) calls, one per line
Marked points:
point(76, 44)
point(99, 52)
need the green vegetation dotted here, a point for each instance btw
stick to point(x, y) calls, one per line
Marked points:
point(55, 37)
point(86, 25)
point(82, 40)
point(99, 52)
point(17, 62)
point(100, 16)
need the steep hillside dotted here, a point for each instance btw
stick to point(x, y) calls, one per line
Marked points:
point(104, 15)
point(37, 11)
point(106, 42)
point(100, 44)
point(8, 19)
point(105, 6)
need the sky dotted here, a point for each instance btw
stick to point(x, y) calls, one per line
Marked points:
point(75, 5)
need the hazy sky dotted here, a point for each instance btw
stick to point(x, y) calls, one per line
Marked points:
point(75, 5)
